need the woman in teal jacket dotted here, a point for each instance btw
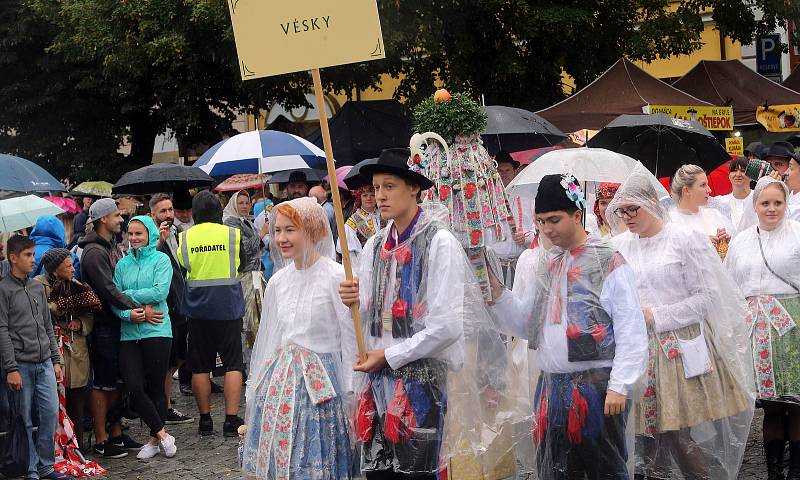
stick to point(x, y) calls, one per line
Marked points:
point(144, 275)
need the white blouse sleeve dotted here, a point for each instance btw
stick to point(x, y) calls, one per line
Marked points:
point(445, 302)
point(347, 336)
point(697, 280)
point(620, 299)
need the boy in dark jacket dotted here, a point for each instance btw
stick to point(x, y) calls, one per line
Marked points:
point(30, 358)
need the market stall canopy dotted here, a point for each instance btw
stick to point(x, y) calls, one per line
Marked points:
point(793, 80)
point(362, 129)
point(622, 89)
point(732, 83)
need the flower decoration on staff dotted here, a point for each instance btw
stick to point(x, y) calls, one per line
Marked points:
point(573, 190)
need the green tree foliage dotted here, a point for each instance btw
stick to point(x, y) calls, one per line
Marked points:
point(80, 77)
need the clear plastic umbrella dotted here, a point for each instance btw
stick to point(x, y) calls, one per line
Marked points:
point(22, 212)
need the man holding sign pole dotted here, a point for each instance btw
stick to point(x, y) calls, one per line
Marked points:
point(410, 287)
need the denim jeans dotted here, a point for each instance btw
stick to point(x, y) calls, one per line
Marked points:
point(39, 393)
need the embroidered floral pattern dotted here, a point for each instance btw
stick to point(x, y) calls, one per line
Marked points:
point(765, 312)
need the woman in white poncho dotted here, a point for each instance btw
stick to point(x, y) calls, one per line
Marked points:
point(765, 261)
point(695, 413)
point(297, 424)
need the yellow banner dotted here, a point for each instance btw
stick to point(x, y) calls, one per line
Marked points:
point(779, 118)
point(274, 37)
point(735, 146)
point(713, 118)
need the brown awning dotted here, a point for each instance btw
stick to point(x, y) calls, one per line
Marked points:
point(732, 83)
point(793, 80)
point(622, 89)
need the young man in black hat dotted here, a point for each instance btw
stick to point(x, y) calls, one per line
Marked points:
point(517, 230)
point(779, 154)
point(410, 285)
point(586, 335)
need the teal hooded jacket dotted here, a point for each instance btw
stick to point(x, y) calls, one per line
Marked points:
point(144, 275)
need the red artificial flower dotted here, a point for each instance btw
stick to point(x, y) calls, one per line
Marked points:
point(285, 409)
point(283, 444)
point(763, 354)
point(673, 353)
point(650, 392)
point(399, 308)
point(573, 331)
point(417, 160)
point(469, 190)
point(598, 332)
point(444, 192)
point(402, 254)
point(761, 324)
point(768, 383)
point(475, 237)
point(775, 311)
point(316, 385)
point(419, 310)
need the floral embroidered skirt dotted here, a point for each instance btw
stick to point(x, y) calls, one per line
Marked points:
point(675, 402)
point(786, 353)
point(313, 443)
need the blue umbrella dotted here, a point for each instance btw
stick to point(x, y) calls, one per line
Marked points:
point(260, 151)
point(20, 175)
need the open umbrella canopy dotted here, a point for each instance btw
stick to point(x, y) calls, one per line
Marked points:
point(514, 129)
point(22, 212)
point(662, 143)
point(307, 175)
point(20, 175)
point(65, 203)
point(162, 177)
point(586, 164)
point(93, 189)
point(274, 150)
point(341, 172)
point(242, 181)
point(354, 179)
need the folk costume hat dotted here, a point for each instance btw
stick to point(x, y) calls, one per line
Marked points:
point(559, 193)
point(395, 161)
point(781, 150)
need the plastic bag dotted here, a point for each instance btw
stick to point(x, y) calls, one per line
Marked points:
point(15, 449)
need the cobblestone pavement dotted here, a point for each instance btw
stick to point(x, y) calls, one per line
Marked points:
point(197, 458)
point(215, 456)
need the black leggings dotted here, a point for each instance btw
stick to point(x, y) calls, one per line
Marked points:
point(143, 365)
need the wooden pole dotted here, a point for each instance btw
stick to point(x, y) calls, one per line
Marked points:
point(337, 203)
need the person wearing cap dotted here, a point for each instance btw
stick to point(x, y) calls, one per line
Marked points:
point(586, 335)
point(182, 205)
point(754, 150)
point(72, 306)
point(779, 154)
point(596, 221)
point(31, 362)
point(410, 285)
point(98, 260)
point(213, 256)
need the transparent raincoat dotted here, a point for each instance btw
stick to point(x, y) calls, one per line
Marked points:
point(421, 302)
point(765, 263)
point(580, 314)
point(697, 404)
point(299, 391)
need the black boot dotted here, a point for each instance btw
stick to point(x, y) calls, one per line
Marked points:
point(774, 451)
point(794, 461)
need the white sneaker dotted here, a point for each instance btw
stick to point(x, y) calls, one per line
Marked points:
point(147, 451)
point(168, 445)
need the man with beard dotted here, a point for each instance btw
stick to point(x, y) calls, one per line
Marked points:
point(297, 187)
point(162, 212)
point(100, 256)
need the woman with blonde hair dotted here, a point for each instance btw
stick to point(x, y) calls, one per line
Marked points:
point(690, 191)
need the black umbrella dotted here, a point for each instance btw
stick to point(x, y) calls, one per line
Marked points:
point(307, 175)
point(162, 177)
point(514, 129)
point(354, 179)
point(661, 143)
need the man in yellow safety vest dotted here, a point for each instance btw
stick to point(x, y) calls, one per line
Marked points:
point(213, 301)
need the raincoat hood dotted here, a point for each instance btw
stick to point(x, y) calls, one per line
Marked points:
point(152, 234)
point(49, 231)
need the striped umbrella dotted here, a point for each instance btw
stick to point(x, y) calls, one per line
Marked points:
point(260, 151)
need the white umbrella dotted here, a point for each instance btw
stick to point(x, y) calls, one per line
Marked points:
point(22, 212)
point(590, 166)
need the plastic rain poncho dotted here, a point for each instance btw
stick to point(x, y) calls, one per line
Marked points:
point(694, 417)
